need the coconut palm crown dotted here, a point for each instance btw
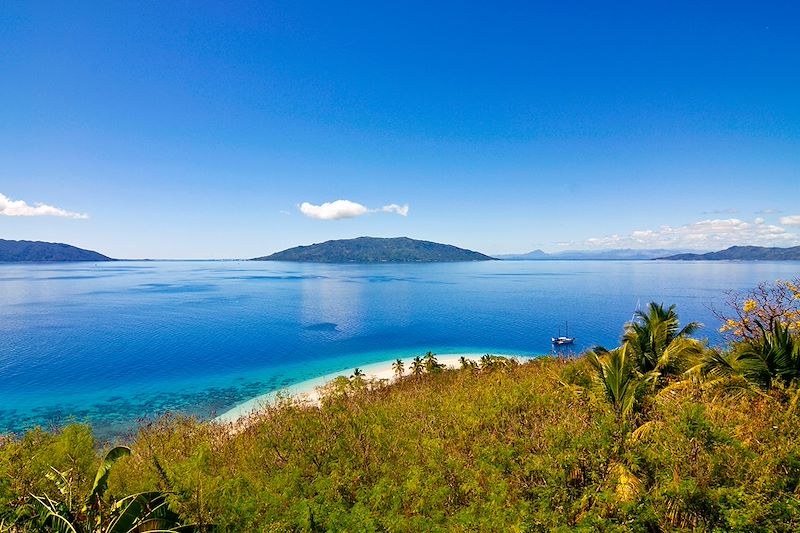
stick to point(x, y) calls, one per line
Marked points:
point(657, 343)
point(398, 368)
point(417, 366)
point(763, 361)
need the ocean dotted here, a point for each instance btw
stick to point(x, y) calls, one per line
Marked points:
point(118, 343)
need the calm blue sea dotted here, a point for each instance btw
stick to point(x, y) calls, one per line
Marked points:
point(112, 343)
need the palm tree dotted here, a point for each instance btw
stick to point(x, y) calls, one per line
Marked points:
point(357, 374)
point(774, 356)
point(417, 366)
point(487, 362)
point(618, 378)
point(464, 362)
point(397, 366)
point(657, 343)
point(777, 352)
point(431, 364)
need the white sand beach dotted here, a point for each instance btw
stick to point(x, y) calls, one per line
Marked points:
point(310, 390)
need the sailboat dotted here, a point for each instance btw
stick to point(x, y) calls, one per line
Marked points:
point(566, 339)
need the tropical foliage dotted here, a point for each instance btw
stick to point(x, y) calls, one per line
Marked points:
point(398, 368)
point(65, 512)
point(772, 358)
point(618, 379)
point(656, 342)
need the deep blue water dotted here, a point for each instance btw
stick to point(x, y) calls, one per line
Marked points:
point(112, 342)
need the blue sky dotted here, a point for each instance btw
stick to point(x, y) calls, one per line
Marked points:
point(198, 130)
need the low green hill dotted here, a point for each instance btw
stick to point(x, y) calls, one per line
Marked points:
point(743, 253)
point(38, 251)
point(376, 250)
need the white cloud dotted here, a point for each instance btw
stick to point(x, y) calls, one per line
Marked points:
point(19, 208)
point(346, 209)
point(394, 208)
point(793, 220)
point(705, 235)
point(333, 210)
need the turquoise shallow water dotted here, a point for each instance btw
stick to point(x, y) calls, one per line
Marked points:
point(112, 343)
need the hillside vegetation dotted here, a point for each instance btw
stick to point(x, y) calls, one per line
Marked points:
point(38, 251)
point(658, 434)
point(376, 250)
point(742, 253)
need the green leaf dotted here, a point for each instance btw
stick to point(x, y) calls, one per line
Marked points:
point(101, 479)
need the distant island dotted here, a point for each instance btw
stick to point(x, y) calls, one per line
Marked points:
point(742, 253)
point(38, 252)
point(591, 255)
point(376, 250)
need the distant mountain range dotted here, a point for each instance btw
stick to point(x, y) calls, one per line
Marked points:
point(406, 250)
point(742, 253)
point(595, 255)
point(37, 251)
point(376, 250)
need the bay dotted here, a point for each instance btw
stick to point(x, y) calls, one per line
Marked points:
point(115, 344)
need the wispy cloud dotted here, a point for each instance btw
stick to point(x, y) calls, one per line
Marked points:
point(394, 208)
point(705, 234)
point(768, 211)
point(727, 211)
point(793, 220)
point(20, 208)
point(340, 209)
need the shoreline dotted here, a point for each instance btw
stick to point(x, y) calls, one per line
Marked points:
point(308, 391)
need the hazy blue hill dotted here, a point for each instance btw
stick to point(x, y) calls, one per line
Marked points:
point(743, 253)
point(376, 250)
point(37, 251)
point(536, 254)
point(594, 255)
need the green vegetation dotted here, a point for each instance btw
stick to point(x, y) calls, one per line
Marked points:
point(743, 253)
point(37, 251)
point(658, 434)
point(376, 250)
point(143, 511)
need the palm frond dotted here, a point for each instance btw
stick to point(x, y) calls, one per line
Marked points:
point(628, 485)
point(617, 378)
point(55, 514)
point(657, 342)
point(101, 478)
point(643, 432)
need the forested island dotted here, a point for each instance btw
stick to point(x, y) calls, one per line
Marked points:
point(376, 250)
point(38, 251)
point(661, 433)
